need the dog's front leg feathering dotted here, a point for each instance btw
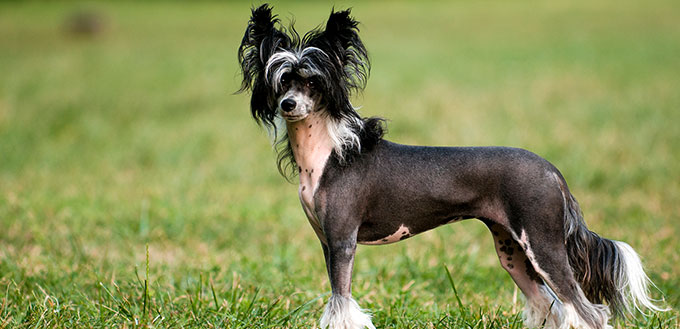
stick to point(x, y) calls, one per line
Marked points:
point(342, 312)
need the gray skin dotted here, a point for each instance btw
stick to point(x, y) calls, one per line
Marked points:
point(425, 187)
point(511, 190)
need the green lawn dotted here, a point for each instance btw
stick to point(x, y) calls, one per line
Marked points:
point(136, 190)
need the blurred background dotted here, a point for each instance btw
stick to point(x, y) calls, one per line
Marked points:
point(126, 157)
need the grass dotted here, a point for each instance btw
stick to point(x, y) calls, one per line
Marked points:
point(136, 191)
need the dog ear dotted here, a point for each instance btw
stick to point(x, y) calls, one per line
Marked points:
point(341, 41)
point(260, 41)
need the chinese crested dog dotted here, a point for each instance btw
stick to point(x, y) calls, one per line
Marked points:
point(357, 187)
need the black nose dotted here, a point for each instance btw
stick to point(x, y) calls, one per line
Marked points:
point(288, 105)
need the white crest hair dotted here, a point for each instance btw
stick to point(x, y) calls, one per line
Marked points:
point(284, 61)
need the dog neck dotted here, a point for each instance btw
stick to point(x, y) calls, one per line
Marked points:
point(311, 145)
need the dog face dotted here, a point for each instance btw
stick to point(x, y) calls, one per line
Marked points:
point(297, 82)
point(300, 97)
point(291, 77)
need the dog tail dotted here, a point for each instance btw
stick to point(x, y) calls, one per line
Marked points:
point(609, 271)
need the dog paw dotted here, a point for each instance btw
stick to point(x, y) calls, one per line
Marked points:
point(344, 313)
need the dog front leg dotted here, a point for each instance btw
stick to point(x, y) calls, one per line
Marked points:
point(342, 312)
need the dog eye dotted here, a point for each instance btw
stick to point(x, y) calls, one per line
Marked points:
point(285, 78)
point(311, 84)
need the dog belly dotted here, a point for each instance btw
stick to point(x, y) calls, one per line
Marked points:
point(402, 233)
point(376, 234)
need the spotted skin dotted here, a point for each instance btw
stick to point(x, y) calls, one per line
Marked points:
point(311, 153)
point(515, 262)
point(401, 233)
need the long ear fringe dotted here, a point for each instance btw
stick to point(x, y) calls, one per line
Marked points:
point(341, 41)
point(342, 28)
point(260, 41)
point(260, 25)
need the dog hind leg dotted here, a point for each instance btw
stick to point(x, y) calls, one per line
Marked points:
point(513, 259)
point(546, 308)
point(571, 308)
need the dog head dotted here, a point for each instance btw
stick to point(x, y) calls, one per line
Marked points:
point(292, 77)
